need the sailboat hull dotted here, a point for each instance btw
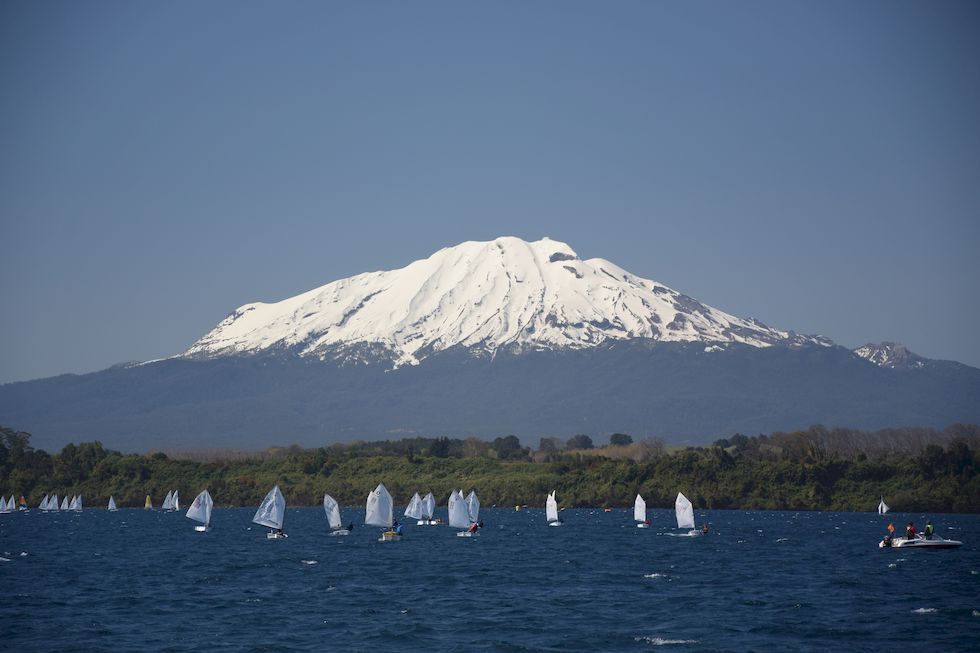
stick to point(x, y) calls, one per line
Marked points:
point(643, 525)
point(428, 522)
point(466, 534)
point(389, 536)
point(339, 532)
point(276, 536)
point(202, 529)
point(556, 523)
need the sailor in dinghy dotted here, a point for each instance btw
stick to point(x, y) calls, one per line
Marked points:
point(332, 509)
point(200, 511)
point(380, 511)
point(271, 512)
point(551, 511)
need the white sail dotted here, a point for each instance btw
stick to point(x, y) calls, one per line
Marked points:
point(333, 511)
point(176, 501)
point(73, 504)
point(639, 509)
point(428, 506)
point(44, 503)
point(552, 507)
point(112, 505)
point(414, 509)
point(459, 513)
point(272, 509)
point(53, 502)
point(201, 506)
point(3, 505)
point(882, 506)
point(684, 511)
point(168, 501)
point(379, 510)
point(473, 505)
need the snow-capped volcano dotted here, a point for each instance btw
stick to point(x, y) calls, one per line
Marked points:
point(484, 296)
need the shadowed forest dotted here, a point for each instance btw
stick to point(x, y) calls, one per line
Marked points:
point(915, 469)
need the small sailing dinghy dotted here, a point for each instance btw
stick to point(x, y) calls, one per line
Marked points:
point(414, 508)
point(53, 503)
point(44, 504)
point(168, 502)
point(332, 509)
point(176, 501)
point(473, 505)
point(148, 504)
point(76, 503)
point(64, 502)
point(4, 508)
point(200, 511)
point(379, 511)
point(112, 505)
point(640, 512)
point(428, 510)
point(551, 511)
point(684, 512)
point(271, 512)
point(882, 506)
point(459, 514)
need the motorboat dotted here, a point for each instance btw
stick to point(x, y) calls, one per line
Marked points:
point(920, 542)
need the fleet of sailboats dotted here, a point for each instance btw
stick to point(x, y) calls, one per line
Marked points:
point(271, 512)
point(200, 511)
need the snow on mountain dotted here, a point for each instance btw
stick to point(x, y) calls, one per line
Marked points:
point(892, 355)
point(484, 296)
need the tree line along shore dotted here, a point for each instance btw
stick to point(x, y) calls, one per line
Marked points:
point(916, 469)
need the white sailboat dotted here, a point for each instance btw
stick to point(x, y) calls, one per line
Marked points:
point(459, 514)
point(200, 511)
point(428, 510)
point(551, 510)
point(332, 508)
point(53, 503)
point(640, 512)
point(64, 503)
point(473, 505)
point(168, 502)
point(271, 512)
point(379, 511)
point(4, 508)
point(76, 503)
point(176, 501)
point(414, 508)
point(882, 506)
point(112, 505)
point(44, 504)
point(684, 512)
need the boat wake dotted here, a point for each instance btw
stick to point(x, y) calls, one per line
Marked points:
point(660, 641)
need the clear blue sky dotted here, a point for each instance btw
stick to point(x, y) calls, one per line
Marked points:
point(812, 164)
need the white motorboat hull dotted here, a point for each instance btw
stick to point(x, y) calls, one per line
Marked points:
point(339, 532)
point(921, 543)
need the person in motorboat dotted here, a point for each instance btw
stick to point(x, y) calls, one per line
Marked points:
point(886, 541)
point(910, 531)
point(929, 530)
point(473, 528)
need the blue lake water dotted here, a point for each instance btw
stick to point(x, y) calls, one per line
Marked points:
point(144, 581)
